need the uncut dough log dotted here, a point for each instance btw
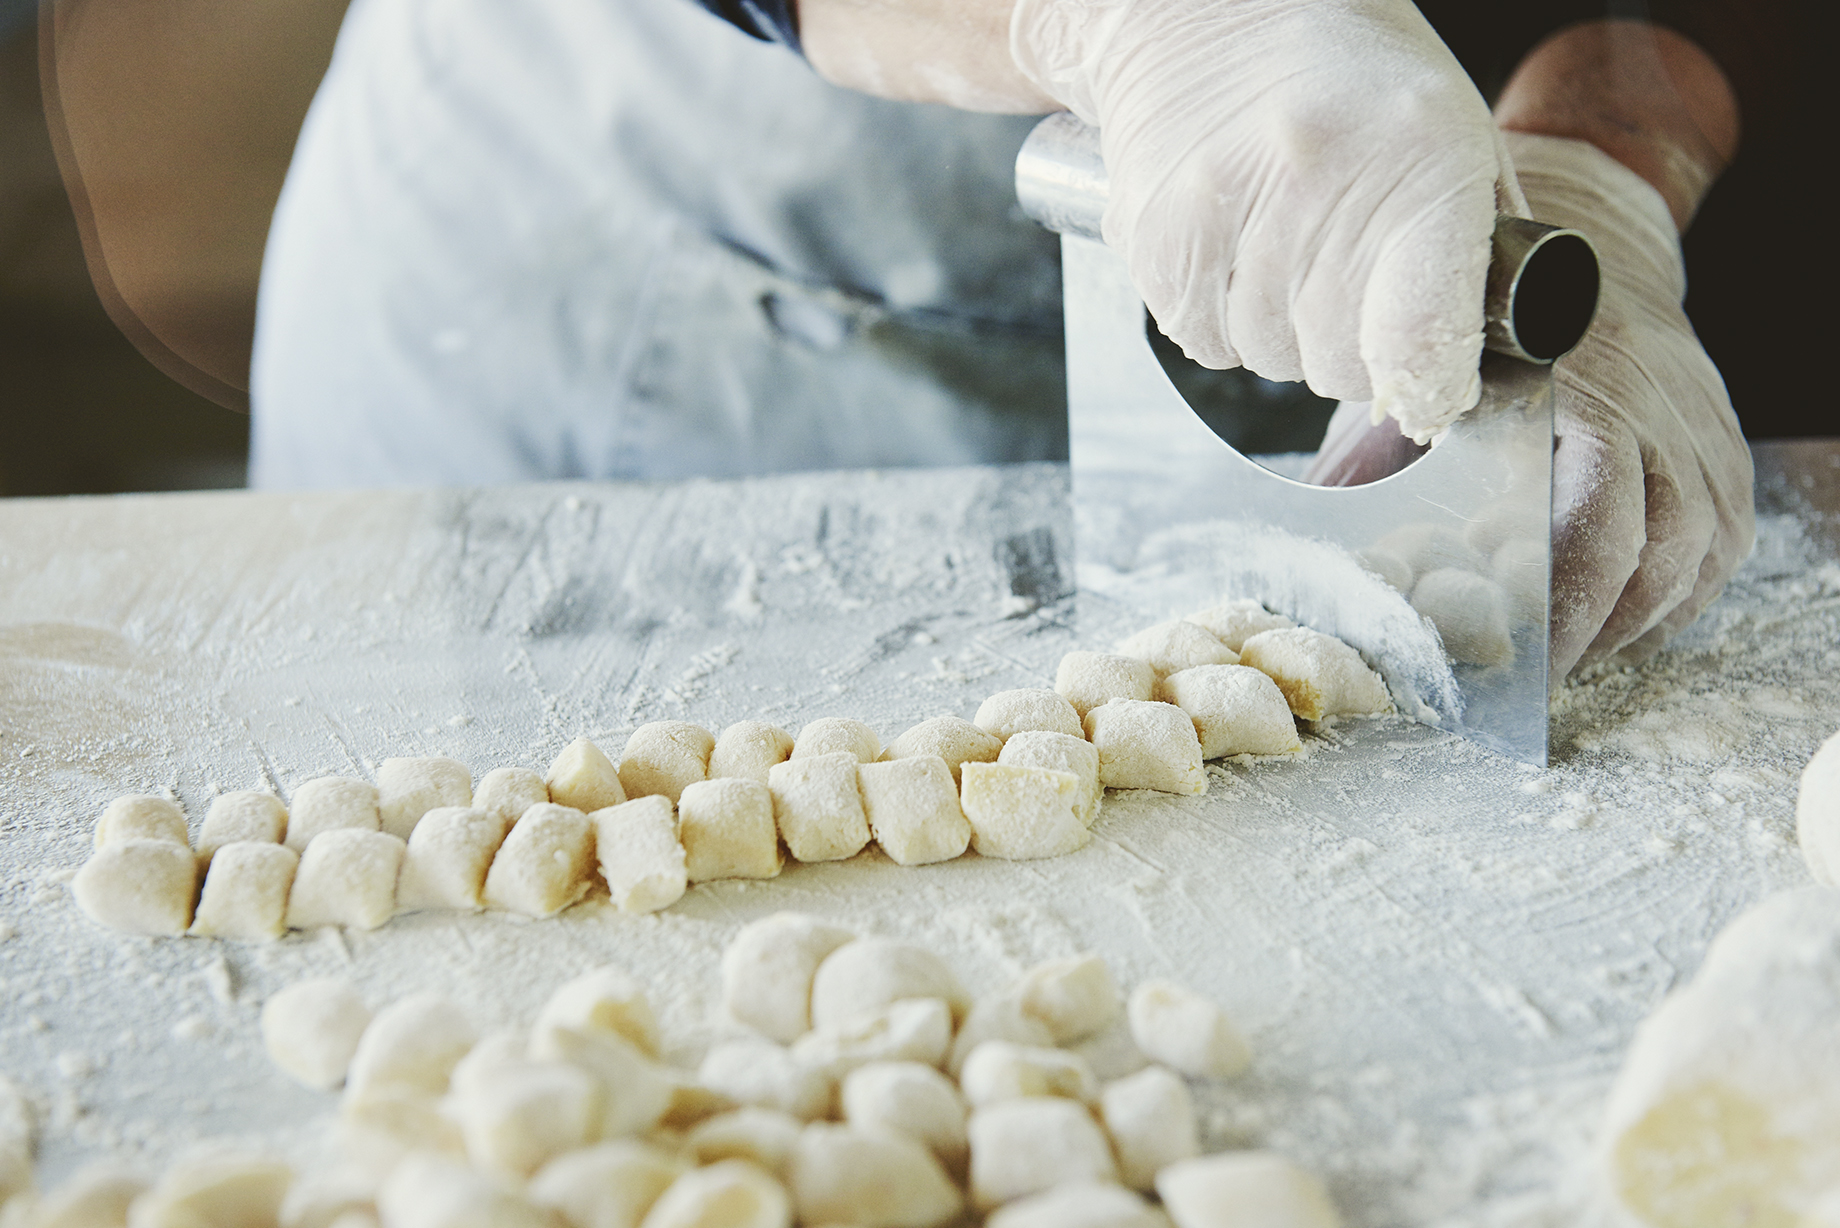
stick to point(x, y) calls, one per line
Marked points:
point(1470, 613)
point(1150, 1119)
point(246, 892)
point(912, 1098)
point(912, 807)
point(731, 1194)
point(331, 803)
point(640, 855)
point(543, 865)
point(1008, 713)
point(610, 1185)
point(1817, 813)
point(245, 815)
point(428, 1190)
point(1088, 679)
point(506, 793)
point(1240, 1187)
point(1074, 997)
point(409, 788)
point(1083, 1205)
point(768, 1076)
point(1180, 1028)
point(231, 1190)
point(139, 887)
point(870, 973)
point(141, 816)
point(1233, 622)
point(583, 777)
point(831, 734)
point(1021, 813)
point(869, 1178)
point(413, 1042)
point(818, 807)
point(604, 999)
point(764, 1136)
point(768, 968)
point(311, 1030)
point(1724, 1111)
point(1176, 645)
point(1236, 710)
point(1022, 1147)
point(951, 738)
point(346, 877)
point(911, 1030)
point(1059, 752)
point(728, 831)
point(1146, 745)
point(445, 863)
point(747, 750)
point(1002, 1070)
point(1319, 675)
point(663, 757)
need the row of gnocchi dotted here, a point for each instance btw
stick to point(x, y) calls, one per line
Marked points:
point(871, 1090)
point(1024, 779)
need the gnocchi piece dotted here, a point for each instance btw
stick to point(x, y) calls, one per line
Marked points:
point(639, 1093)
point(913, 811)
point(610, 1185)
point(1002, 1070)
point(604, 999)
point(1180, 1028)
point(501, 1048)
point(141, 816)
point(386, 1123)
point(832, 734)
point(768, 968)
point(330, 1197)
point(245, 815)
point(331, 803)
point(584, 778)
point(952, 738)
point(1022, 1147)
point(227, 1189)
point(139, 887)
point(1083, 1205)
point(912, 1098)
point(448, 855)
point(845, 1174)
point(311, 1030)
point(1021, 813)
point(1176, 645)
point(1233, 622)
point(640, 856)
point(431, 1190)
point(1817, 813)
point(1520, 566)
point(1088, 679)
point(1319, 675)
point(747, 750)
point(764, 1136)
point(1008, 713)
point(1216, 1191)
point(522, 1115)
point(769, 1076)
point(870, 973)
point(1470, 613)
point(1059, 752)
point(1151, 1120)
point(409, 788)
point(543, 865)
point(1146, 745)
point(414, 1042)
point(1236, 710)
point(16, 1143)
point(97, 1197)
point(730, 1193)
point(506, 793)
point(346, 877)
point(818, 807)
point(1073, 998)
point(911, 1030)
point(1425, 547)
point(727, 830)
point(663, 757)
point(246, 892)
point(1390, 568)
point(996, 1018)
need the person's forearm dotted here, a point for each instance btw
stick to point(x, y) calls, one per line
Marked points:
point(1650, 98)
point(950, 51)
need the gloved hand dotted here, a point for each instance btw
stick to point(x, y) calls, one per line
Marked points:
point(1652, 507)
point(1305, 187)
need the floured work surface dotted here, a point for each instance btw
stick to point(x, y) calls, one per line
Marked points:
point(1437, 955)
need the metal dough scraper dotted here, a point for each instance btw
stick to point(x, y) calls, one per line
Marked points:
point(1438, 574)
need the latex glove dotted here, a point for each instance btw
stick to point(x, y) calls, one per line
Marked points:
point(1305, 187)
point(1652, 505)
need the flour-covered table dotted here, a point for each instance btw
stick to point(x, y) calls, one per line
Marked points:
point(1438, 955)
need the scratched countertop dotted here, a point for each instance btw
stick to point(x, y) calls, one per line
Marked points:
point(1438, 955)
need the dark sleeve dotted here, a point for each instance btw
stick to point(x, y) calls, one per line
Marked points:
point(774, 21)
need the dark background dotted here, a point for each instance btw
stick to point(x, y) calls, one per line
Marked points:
point(82, 411)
